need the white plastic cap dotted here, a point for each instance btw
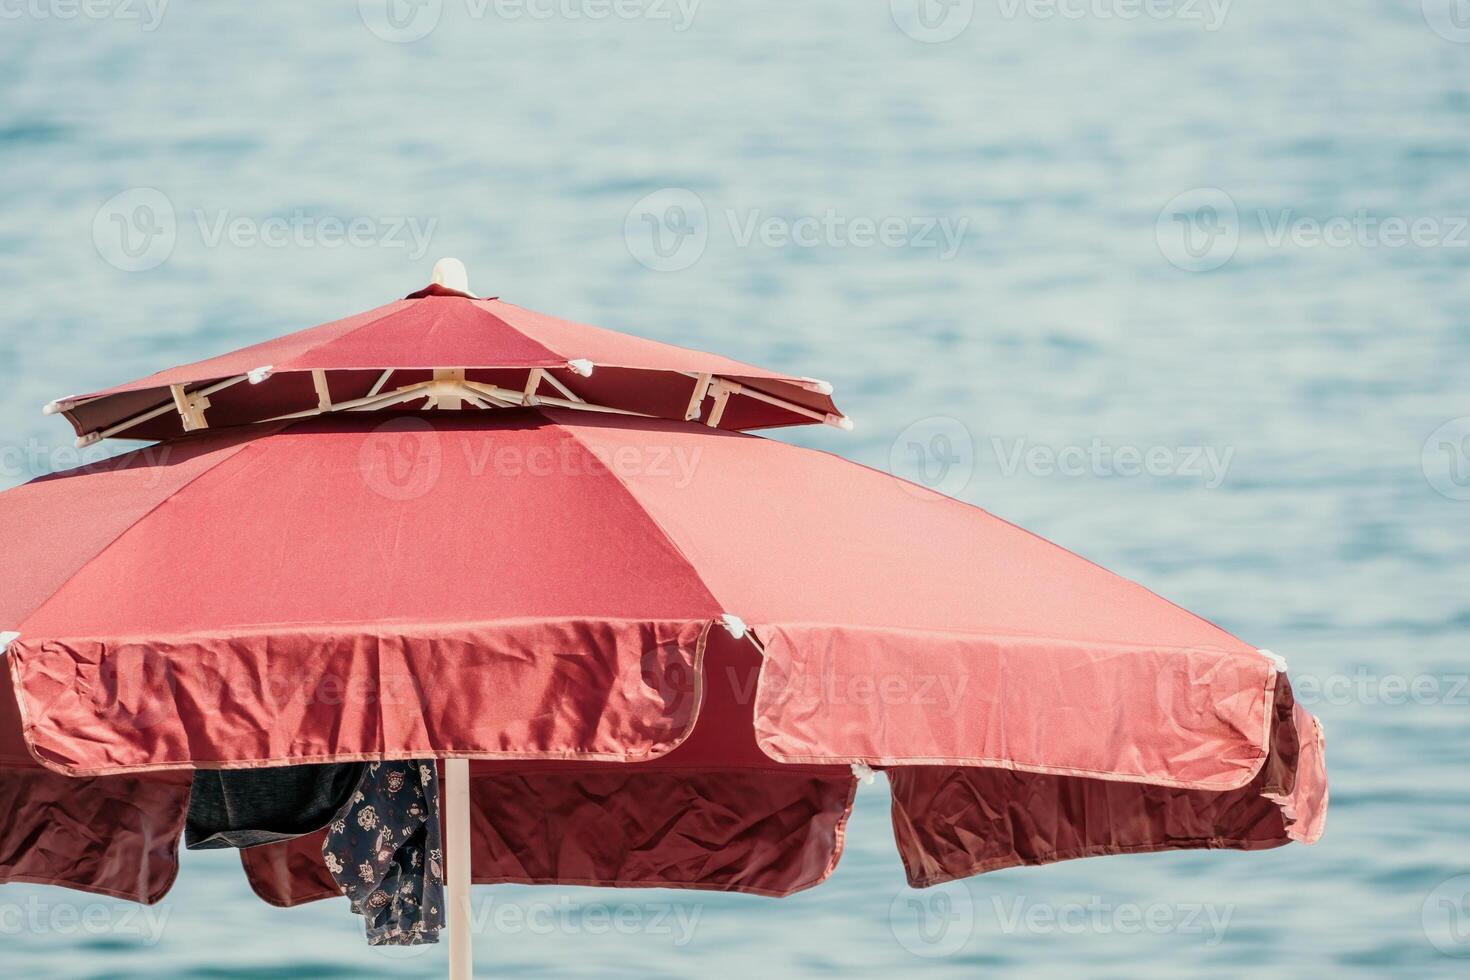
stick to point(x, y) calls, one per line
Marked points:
point(864, 772)
point(581, 366)
point(260, 374)
point(6, 639)
point(818, 385)
point(840, 421)
point(735, 625)
point(451, 274)
point(1278, 661)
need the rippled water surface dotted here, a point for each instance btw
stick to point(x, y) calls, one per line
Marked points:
point(1036, 299)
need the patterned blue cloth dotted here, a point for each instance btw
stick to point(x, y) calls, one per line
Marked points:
point(385, 851)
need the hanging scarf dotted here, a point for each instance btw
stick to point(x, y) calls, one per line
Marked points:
point(385, 852)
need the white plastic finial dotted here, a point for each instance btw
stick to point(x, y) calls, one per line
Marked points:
point(864, 772)
point(735, 625)
point(581, 366)
point(1278, 661)
point(6, 639)
point(451, 274)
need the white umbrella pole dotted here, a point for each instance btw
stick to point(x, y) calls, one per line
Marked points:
point(457, 867)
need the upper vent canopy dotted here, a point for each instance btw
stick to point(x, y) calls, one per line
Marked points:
point(443, 348)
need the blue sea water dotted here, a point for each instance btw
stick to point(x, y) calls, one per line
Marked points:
point(1181, 286)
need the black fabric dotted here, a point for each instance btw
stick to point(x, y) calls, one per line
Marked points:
point(250, 807)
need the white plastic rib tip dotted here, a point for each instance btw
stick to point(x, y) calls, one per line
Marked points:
point(735, 625)
point(864, 772)
point(818, 385)
point(451, 274)
point(260, 374)
point(90, 439)
point(59, 406)
point(6, 639)
point(1276, 659)
point(581, 366)
point(839, 421)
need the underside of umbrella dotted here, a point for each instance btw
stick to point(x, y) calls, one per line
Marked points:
point(663, 645)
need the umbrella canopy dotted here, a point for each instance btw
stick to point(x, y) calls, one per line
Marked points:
point(559, 594)
point(393, 355)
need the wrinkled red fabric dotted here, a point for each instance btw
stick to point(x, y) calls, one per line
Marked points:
point(762, 832)
point(952, 822)
point(112, 835)
point(558, 690)
point(497, 342)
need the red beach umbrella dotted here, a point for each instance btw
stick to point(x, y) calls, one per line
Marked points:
point(669, 650)
point(392, 356)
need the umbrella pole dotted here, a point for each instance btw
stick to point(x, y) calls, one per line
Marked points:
point(457, 866)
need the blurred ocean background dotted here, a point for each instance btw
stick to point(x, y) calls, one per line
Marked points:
point(1180, 285)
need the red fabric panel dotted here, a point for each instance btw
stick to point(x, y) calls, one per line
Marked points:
point(766, 832)
point(1186, 717)
point(563, 690)
point(786, 536)
point(952, 822)
point(57, 524)
point(114, 835)
point(348, 522)
point(290, 873)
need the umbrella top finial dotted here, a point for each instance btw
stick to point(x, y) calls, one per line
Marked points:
point(451, 274)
